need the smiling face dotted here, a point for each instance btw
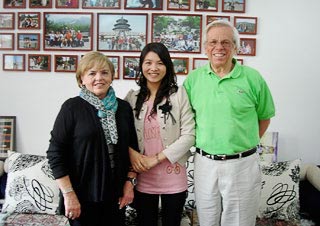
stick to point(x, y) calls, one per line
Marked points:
point(97, 80)
point(220, 47)
point(153, 69)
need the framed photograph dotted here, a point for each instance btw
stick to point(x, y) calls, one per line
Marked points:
point(122, 32)
point(240, 61)
point(143, 4)
point(206, 5)
point(246, 25)
point(40, 3)
point(178, 32)
point(247, 47)
point(7, 21)
point(14, 4)
point(6, 41)
point(181, 65)
point(29, 20)
point(211, 18)
point(7, 135)
point(13, 62)
point(39, 62)
point(65, 63)
point(101, 4)
point(116, 63)
point(28, 41)
point(70, 4)
point(178, 5)
point(234, 6)
point(199, 62)
point(64, 31)
point(130, 67)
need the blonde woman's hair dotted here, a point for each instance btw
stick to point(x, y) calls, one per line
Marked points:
point(90, 60)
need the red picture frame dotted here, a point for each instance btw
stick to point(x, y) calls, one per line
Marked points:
point(130, 67)
point(39, 62)
point(180, 65)
point(182, 5)
point(6, 41)
point(199, 62)
point(9, 4)
point(13, 62)
point(247, 47)
point(7, 21)
point(145, 5)
point(29, 21)
point(113, 5)
point(211, 18)
point(246, 25)
point(116, 63)
point(65, 63)
point(68, 4)
point(206, 5)
point(234, 6)
point(28, 41)
point(40, 4)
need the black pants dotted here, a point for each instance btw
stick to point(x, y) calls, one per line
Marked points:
point(97, 214)
point(147, 206)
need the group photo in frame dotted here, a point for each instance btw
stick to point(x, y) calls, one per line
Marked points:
point(143, 4)
point(178, 5)
point(31, 20)
point(199, 62)
point(28, 41)
point(246, 25)
point(71, 4)
point(130, 67)
point(14, 4)
point(247, 47)
point(116, 64)
point(206, 5)
point(6, 41)
point(7, 135)
point(101, 4)
point(180, 65)
point(13, 62)
point(122, 32)
point(7, 21)
point(39, 62)
point(40, 4)
point(178, 32)
point(211, 18)
point(234, 6)
point(64, 31)
point(65, 63)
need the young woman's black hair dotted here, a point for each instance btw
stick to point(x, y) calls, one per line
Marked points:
point(168, 83)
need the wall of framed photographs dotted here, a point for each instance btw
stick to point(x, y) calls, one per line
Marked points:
point(49, 36)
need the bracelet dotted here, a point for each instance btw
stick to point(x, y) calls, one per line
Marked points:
point(67, 191)
point(158, 159)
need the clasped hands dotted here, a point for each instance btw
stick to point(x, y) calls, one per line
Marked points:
point(142, 163)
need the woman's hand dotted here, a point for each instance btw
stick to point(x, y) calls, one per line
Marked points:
point(137, 161)
point(128, 195)
point(72, 205)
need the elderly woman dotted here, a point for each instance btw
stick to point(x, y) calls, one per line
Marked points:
point(88, 150)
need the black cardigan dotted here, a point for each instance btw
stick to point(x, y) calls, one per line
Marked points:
point(78, 149)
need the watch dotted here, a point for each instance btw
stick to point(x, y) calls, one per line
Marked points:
point(133, 180)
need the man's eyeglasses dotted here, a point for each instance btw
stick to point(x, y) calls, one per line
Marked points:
point(225, 44)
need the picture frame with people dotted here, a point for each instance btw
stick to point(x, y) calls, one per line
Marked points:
point(132, 36)
point(29, 21)
point(29, 41)
point(144, 4)
point(14, 4)
point(103, 4)
point(65, 63)
point(206, 5)
point(40, 4)
point(247, 47)
point(246, 25)
point(69, 4)
point(178, 32)
point(130, 67)
point(181, 65)
point(64, 31)
point(39, 62)
point(116, 63)
point(7, 21)
point(182, 5)
point(234, 6)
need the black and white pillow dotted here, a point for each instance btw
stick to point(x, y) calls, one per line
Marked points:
point(280, 190)
point(31, 187)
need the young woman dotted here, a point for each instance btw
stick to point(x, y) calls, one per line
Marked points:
point(165, 128)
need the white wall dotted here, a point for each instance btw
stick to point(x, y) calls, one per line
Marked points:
point(287, 49)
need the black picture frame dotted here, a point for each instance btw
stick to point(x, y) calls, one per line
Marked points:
point(7, 135)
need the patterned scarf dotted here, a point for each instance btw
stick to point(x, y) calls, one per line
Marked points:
point(107, 108)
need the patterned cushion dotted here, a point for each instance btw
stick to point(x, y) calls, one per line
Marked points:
point(280, 190)
point(30, 185)
point(190, 202)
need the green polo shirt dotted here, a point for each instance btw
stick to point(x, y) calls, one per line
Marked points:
point(227, 110)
